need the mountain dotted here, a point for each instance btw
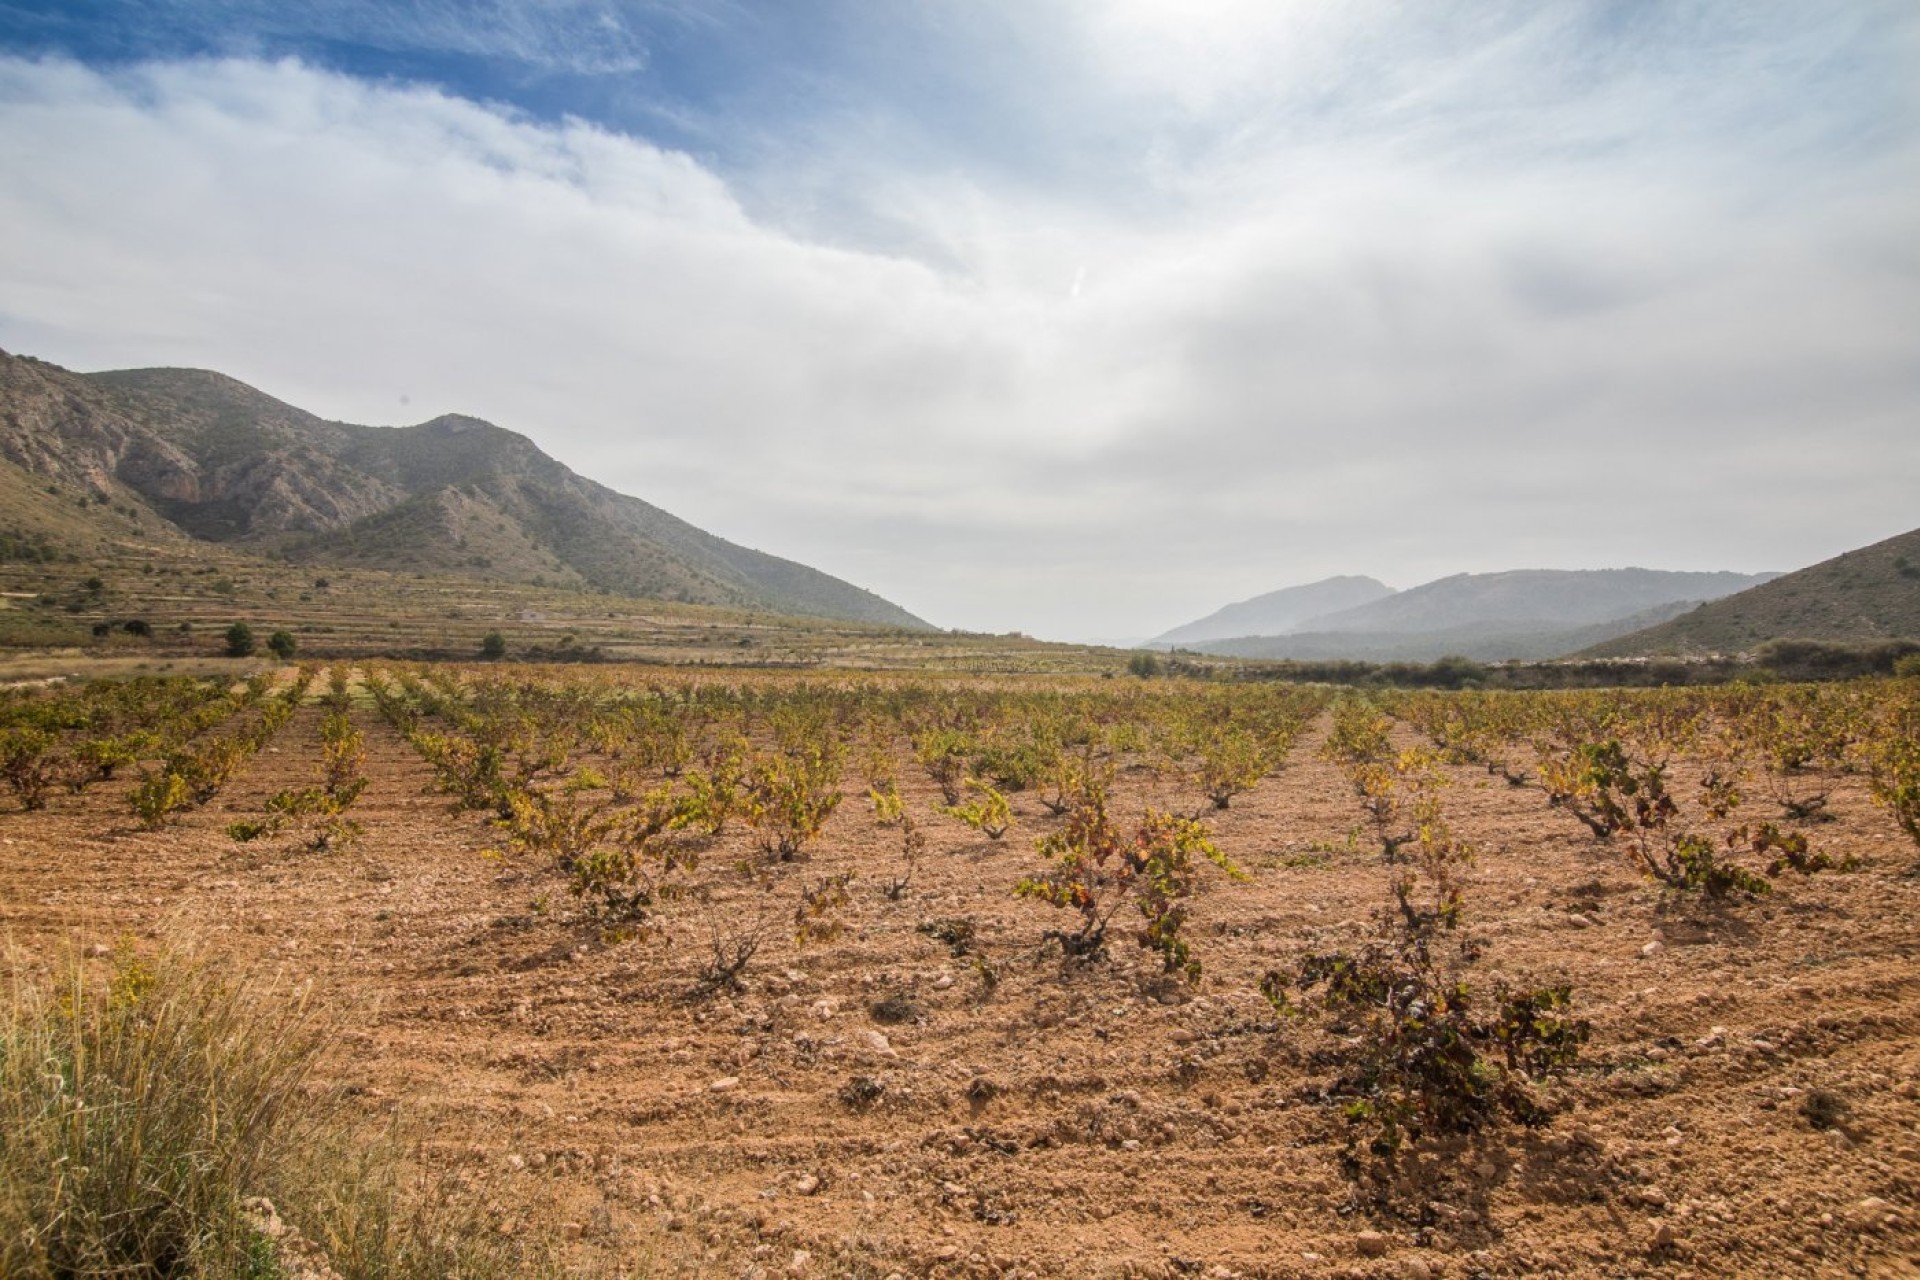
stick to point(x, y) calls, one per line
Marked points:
point(1872, 593)
point(1525, 614)
point(1277, 612)
point(1483, 642)
point(218, 461)
point(1542, 599)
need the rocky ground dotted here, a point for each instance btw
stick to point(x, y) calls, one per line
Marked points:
point(892, 1103)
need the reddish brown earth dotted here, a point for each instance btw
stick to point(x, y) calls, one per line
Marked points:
point(1068, 1121)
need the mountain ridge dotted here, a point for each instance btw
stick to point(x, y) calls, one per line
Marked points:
point(1520, 641)
point(220, 461)
point(1867, 594)
point(1525, 614)
point(1274, 612)
point(1530, 597)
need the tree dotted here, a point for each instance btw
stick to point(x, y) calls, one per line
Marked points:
point(283, 645)
point(493, 646)
point(240, 641)
point(1144, 665)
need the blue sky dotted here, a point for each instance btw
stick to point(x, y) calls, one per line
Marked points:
point(1079, 318)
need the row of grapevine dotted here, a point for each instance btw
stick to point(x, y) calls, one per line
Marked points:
point(73, 738)
point(620, 787)
point(190, 772)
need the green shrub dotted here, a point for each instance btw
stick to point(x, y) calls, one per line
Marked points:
point(1095, 868)
point(789, 797)
point(282, 645)
point(27, 764)
point(1232, 761)
point(1895, 763)
point(988, 812)
point(1423, 1053)
point(157, 795)
point(1434, 1056)
point(240, 641)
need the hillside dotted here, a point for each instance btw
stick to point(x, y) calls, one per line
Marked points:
point(1277, 612)
point(1523, 614)
point(1872, 593)
point(1530, 600)
point(1483, 642)
point(192, 453)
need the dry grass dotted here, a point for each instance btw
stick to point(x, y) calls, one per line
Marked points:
point(139, 1115)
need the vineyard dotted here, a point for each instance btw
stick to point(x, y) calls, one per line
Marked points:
point(761, 973)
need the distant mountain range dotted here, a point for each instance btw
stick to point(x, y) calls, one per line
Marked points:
point(1872, 593)
point(1522, 614)
point(218, 461)
point(1277, 612)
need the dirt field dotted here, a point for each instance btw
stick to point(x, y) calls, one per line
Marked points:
point(877, 1106)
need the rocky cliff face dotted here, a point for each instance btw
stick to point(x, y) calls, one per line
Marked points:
point(262, 469)
point(54, 425)
point(223, 462)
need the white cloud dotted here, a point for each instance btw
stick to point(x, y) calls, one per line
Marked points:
point(1403, 332)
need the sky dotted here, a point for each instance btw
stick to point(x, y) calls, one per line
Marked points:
point(1075, 317)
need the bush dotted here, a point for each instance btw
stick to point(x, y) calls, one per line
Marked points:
point(1826, 660)
point(27, 764)
point(1232, 761)
point(158, 795)
point(1895, 764)
point(1434, 1056)
point(282, 645)
point(788, 799)
point(988, 812)
point(136, 1123)
point(1423, 1053)
point(1455, 672)
point(1144, 665)
point(1096, 868)
point(493, 646)
point(31, 548)
point(240, 641)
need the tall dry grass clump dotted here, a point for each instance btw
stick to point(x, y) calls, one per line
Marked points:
point(140, 1114)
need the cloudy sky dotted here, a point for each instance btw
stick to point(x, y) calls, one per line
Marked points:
point(1078, 317)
